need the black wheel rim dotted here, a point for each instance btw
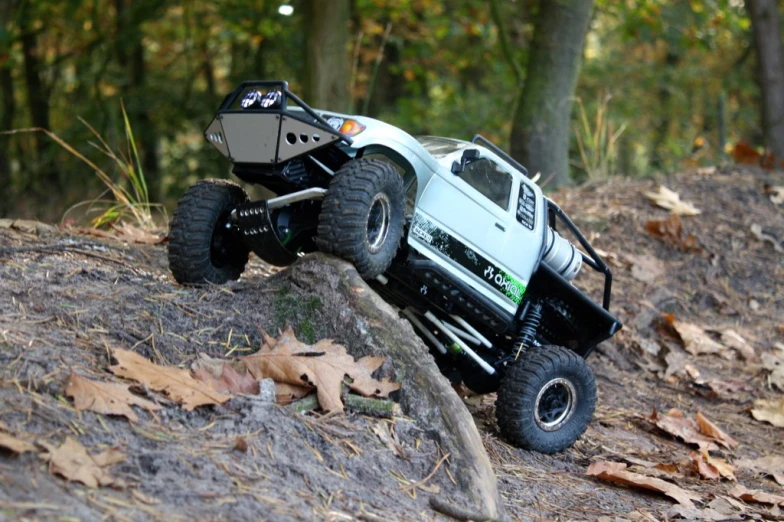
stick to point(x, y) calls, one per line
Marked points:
point(222, 246)
point(554, 404)
point(378, 223)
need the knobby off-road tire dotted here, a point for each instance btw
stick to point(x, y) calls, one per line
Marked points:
point(362, 215)
point(201, 248)
point(533, 394)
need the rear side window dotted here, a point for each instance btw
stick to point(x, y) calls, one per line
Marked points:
point(490, 180)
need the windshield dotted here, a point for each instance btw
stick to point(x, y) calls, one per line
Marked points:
point(441, 147)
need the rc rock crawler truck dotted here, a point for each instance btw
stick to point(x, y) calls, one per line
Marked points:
point(452, 232)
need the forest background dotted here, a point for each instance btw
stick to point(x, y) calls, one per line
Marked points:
point(655, 85)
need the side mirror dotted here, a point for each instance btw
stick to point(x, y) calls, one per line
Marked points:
point(468, 156)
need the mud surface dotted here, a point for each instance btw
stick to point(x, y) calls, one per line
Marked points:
point(65, 299)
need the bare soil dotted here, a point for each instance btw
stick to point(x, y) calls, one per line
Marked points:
point(65, 299)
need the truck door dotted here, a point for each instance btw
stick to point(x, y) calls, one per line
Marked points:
point(463, 223)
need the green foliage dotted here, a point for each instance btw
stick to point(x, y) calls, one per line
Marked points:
point(443, 68)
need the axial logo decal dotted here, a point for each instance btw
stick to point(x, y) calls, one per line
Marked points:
point(514, 289)
point(427, 231)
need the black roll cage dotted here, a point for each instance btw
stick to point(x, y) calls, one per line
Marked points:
point(286, 95)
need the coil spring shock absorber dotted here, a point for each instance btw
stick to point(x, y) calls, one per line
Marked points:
point(528, 329)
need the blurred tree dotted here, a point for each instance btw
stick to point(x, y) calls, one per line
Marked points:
point(8, 96)
point(770, 57)
point(541, 129)
point(46, 180)
point(129, 46)
point(326, 54)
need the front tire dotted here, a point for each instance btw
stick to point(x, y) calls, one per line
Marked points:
point(546, 400)
point(362, 215)
point(202, 249)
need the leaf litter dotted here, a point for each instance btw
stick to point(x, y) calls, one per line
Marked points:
point(670, 200)
point(72, 462)
point(105, 397)
point(671, 231)
point(616, 472)
point(298, 368)
point(733, 271)
point(178, 384)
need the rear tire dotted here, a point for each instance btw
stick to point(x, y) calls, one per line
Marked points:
point(362, 215)
point(546, 400)
point(201, 248)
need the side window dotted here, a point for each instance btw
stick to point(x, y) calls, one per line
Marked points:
point(490, 180)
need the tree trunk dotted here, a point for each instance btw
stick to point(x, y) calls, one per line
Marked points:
point(770, 57)
point(46, 180)
point(6, 123)
point(130, 56)
point(326, 54)
point(540, 132)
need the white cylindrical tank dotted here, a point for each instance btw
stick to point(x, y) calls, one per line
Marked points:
point(562, 256)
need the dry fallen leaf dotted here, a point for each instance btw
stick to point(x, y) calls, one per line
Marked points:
point(105, 397)
point(712, 468)
point(13, 444)
point(733, 339)
point(774, 363)
point(755, 495)
point(71, 461)
point(695, 340)
point(677, 425)
point(616, 472)
point(176, 383)
point(287, 393)
point(323, 365)
point(229, 380)
point(709, 429)
point(666, 198)
point(671, 231)
point(771, 411)
point(702, 467)
point(772, 465)
point(646, 268)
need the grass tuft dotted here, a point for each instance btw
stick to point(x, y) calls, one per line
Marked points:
point(597, 143)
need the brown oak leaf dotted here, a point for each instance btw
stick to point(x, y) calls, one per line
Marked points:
point(178, 384)
point(229, 380)
point(323, 365)
point(755, 495)
point(14, 444)
point(617, 472)
point(695, 340)
point(771, 411)
point(105, 397)
point(709, 429)
point(772, 465)
point(71, 461)
point(677, 425)
point(670, 230)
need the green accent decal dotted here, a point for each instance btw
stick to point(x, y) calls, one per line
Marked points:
point(514, 288)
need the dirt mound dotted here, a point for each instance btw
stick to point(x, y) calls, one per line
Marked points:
point(65, 299)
